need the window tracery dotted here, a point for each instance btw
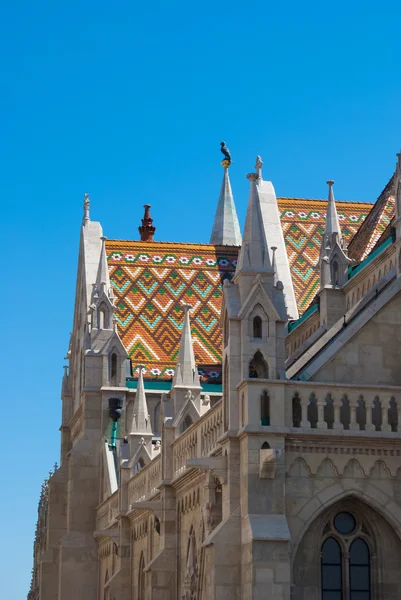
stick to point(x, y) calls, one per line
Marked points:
point(346, 559)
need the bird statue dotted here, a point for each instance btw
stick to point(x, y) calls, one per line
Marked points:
point(225, 151)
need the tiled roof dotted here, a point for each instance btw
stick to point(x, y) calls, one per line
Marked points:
point(303, 226)
point(151, 280)
point(374, 226)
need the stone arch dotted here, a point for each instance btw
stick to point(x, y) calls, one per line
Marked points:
point(381, 530)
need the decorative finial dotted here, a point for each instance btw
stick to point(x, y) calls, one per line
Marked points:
point(147, 230)
point(187, 307)
point(86, 218)
point(227, 160)
point(330, 182)
point(252, 176)
point(258, 166)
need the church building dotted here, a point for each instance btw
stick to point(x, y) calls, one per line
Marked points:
point(231, 411)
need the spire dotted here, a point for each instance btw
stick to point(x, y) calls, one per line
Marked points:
point(332, 228)
point(186, 373)
point(147, 230)
point(226, 226)
point(140, 419)
point(254, 254)
point(102, 278)
point(86, 218)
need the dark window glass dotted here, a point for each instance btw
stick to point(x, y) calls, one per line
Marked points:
point(264, 409)
point(344, 523)
point(359, 570)
point(330, 595)
point(331, 570)
point(257, 327)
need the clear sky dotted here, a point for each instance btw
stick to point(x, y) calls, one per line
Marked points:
point(128, 101)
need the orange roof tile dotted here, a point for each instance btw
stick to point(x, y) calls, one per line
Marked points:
point(151, 280)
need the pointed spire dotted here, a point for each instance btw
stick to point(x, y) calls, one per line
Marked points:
point(186, 373)
point(226, 225)
point(147, 230)
point(140, 419)
point(86, 218)
point(332, 229)
point(254, 254)
point(102, 278)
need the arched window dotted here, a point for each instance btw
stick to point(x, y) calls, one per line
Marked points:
point(332, 581)
point(345, 560)
point(264, 409)
point(156, 419)
point(101, 318)
point(141, 578)
point(335, 273)
point(113, 369)
point(257, 327)
point(265, 446)
point(258, 367)
point(187, 422)
point(139, 465)
point(359, 570)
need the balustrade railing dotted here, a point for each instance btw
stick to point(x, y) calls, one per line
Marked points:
point(107, 512)
point(144, 484)
point(347, 409)
point(198, 440)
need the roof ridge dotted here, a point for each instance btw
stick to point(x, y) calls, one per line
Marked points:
point(280, 198)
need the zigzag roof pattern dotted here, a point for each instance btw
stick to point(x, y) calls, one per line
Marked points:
point(151, 281)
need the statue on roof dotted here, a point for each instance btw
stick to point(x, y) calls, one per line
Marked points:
point(226, 152)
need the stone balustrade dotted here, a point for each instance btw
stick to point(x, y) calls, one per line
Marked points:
point(143, 485)
point(107, 512)
point(345, 408)
point(200, 439)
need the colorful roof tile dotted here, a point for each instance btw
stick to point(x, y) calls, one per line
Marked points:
point(303, 227)
point(374, 226)
point(152, 280)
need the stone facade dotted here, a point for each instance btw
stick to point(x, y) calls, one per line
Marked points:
point(284, 484)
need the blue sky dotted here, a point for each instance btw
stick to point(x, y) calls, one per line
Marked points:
point(129, 103)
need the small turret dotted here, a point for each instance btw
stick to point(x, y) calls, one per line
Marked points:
point(147, 229)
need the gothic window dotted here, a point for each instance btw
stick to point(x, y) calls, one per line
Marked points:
point(265, 446)
point(156, 419)
point(102, 318)
point(113, 369)
point(345, 560)
point(264, 409)
point(187, 422)
point(258, 367)
point(141, 578)
point(335, 273)
point(242, 410)
point(257, 327)
point(139, 465)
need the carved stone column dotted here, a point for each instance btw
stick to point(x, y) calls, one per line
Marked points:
point(385, 405)
point(369, 404)
point(337, 420)
point(353, 402)
point(321, 423)
point(304, 414)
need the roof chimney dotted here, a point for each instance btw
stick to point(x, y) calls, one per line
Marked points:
point(147, 230)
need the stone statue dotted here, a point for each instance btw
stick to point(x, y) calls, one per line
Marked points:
point(225, 151)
